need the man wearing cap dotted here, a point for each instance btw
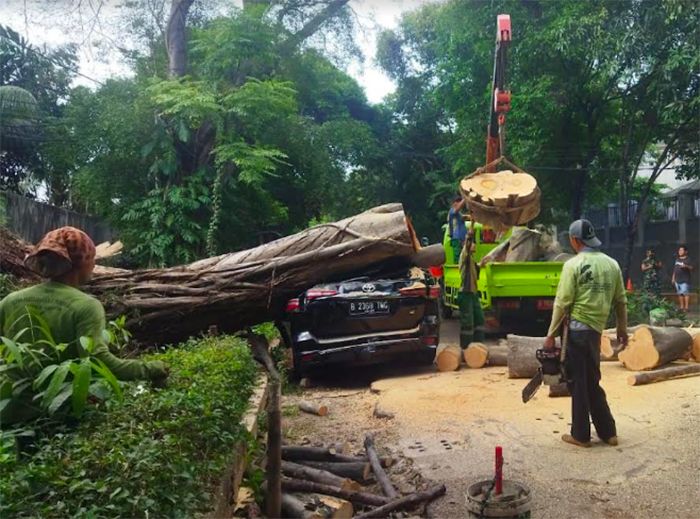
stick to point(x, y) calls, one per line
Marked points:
point(590, 284)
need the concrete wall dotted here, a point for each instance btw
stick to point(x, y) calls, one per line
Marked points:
point(30, 219)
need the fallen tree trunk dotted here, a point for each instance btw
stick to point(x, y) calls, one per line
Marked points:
point(405, 502)
point(651, 346)
point(695, 348)
point(358, 471)
point(252, 286)
point(12, 253)
point(358, 498)
point(662, 374)
point(610, 347)
point(299, 453)
point(448, 357)
point(379, 473)
point(522, 362)
point(298, 471)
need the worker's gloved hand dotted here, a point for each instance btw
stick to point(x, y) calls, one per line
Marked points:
point(622, 338)
point(158, 373)
point(549, 343)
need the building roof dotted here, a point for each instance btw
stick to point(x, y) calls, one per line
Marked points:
point(690, 187)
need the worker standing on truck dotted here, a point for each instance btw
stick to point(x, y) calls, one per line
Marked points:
point(590, 284)
point(456, 226)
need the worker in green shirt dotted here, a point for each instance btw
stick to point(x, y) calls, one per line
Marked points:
point(66, 258)
point(589, 286)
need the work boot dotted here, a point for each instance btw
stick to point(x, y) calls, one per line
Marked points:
point(611, 441)
point(573, 441)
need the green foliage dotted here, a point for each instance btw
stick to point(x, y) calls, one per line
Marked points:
point(33, 373)
point(158, 453)
point(640, 303)
point(8, 284)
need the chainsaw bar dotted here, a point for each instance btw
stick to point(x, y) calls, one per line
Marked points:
point(531, 388)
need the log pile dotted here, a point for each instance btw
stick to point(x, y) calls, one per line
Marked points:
point(651, 346)
point(478, 355)
point(248, 287)
point(321, 482)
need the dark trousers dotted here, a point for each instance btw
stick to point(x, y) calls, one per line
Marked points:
point(471, 319)
point(587, 397)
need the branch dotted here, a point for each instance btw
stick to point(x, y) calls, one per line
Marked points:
point(313, 25)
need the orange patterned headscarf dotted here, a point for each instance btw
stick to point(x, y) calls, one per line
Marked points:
point(60, 251)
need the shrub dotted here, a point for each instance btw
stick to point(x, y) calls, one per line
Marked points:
point(158, 453)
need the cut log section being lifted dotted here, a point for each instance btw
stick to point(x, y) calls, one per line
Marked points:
point(651, 346)
point(252, 286)
point(501, 200)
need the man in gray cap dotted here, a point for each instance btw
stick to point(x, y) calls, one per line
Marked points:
point(590, 284)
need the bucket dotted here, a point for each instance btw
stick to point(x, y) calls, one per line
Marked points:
point(513, 502)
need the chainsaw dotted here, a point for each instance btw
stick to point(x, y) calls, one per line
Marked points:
point(551, 370)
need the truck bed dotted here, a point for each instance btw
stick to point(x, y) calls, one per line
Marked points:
point(522, 279)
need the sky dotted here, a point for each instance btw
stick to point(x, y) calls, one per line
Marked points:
point(43, 22)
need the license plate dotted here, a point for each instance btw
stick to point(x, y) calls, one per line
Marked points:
point(369, 307)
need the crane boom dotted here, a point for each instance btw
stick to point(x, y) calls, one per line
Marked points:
point(500, 96)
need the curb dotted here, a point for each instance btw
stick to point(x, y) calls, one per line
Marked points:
point(225, 499)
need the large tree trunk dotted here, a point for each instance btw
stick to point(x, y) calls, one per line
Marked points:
point(252, 286)
point(175, 38)
point(650, 347)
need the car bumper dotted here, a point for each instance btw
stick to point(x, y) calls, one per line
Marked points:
point(311, 355)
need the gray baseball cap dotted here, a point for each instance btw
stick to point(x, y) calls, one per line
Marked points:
point(584, 231)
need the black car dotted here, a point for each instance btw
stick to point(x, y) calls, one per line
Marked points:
point(364, 321)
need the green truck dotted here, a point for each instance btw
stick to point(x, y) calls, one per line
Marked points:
point(516, 297)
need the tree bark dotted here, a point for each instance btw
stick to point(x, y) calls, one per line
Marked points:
point(359, 498)
point(521, 355)
point(313, 25)
point(176, 39)
point(252, 286)
point(649, 377)
point(405, 502)
point(379, 473)
point(559, 390)
point(293, 508)
point(359, 471)
point(319, 476)
point(650, 347)
point(498, 356)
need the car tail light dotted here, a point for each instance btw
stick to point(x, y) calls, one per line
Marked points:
point(430, 340)
point(545, 304)
point(315, 293)
point(488, 236)
point(292, 305)
point(414, 292)
point(436, 272)
point(509, 304)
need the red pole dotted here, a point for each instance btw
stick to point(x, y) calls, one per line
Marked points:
point(499, 470)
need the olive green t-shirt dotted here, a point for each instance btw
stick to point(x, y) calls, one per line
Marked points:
point(70, 314)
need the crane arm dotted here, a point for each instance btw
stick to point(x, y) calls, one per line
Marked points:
point(500, 96)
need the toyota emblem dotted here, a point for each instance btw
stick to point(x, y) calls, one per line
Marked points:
point(368, 288)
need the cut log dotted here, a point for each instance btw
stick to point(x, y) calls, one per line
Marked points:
point(695, 348)
point(658, 375)
point(609, 345)
point(298, 453)
point(312, 408)
point(448, 357)
point(651, 346)
point(405, 502)
point(358, 471)
point(252, 286)
point(476, 355)
point(382, 478)
point(298, 471)
point(559, 390)
point(296, 509)
point(522, 362)
point(358, 498)
point(498, 356)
